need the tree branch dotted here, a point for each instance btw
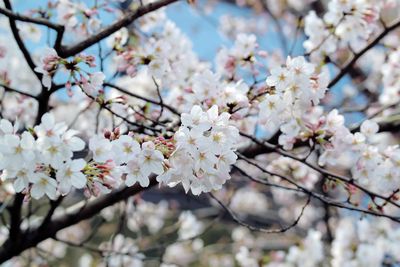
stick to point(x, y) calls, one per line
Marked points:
point(9, 89)
point(349, 65)
point(261, 229)
point(19, 41)
point(122, 90)
point(34, 236)
point(301, 189)
point(128, 19)
point(38, 21)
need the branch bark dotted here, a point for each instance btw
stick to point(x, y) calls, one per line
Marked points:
point(128, 19)
point(349, 65)
point(20, 43)
point(36, 235)
point(39, 21)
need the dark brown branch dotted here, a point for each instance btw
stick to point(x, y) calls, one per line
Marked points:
point(53, 206)
point(9, 89)
point(19, 41)
point(302, 189)
point(122, 90)
point(329, 175)
point(34, 236)
point(260, 229)
point(160, 99)
point(349, 65)
point(125, 21)
point(15, 221)
point(38, 21)
point(156, 130)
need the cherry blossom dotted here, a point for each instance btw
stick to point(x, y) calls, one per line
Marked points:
point(204, 151)
point(283, 128)
point(70, 175)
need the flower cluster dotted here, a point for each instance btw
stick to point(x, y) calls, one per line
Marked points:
point(190, 82)
point(248, 200)
point(310, 254)
point(117, 157)
point(121, 251)
point(345, 23)
point(80, 19)
point(189, 227)
point(40, 161)
point(296, 88)
point(298, 171)
point(205, 145)
point(140, 214)
point(168, 53)
point(13, 104)
point(231, 25)
point(50, 62)
point(243, 54)
point(365, 243)
point(375, 167)
point(391, 79)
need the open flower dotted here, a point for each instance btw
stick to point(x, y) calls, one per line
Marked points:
point(48, 64)
point(43, 185)
point(70, 175)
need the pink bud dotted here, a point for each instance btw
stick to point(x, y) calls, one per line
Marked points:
point(263, 54)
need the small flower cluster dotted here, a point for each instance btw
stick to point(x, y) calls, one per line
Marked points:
point(295, 170)
point(123, 158)
point(168, 57)
point(50, 62)
point(243, 54)
point(279, 8)
point(296, 87)
point(375, 167)
point(365, 243)
point(205, 145)
point(175, 71)
point(147, 214)
point(78, 18)
point(189, 226)
point(309, 253)
point(372, 166)
point(391, 79)
point(140, 214)
point(14, 73)
point(345, 23)
point(121, 251)
point(231, 25)
point(40, 161)
point(248, 200)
